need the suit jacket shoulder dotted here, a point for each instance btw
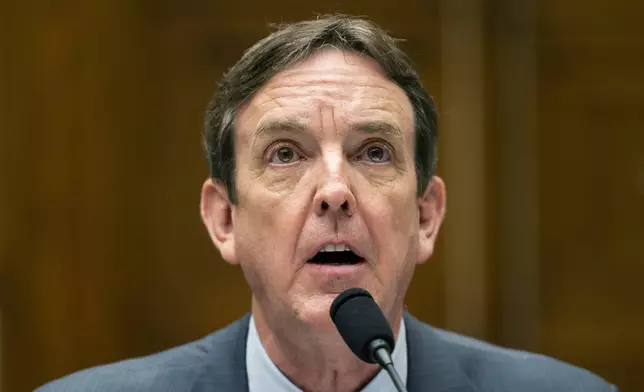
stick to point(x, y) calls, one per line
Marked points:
point(439, 361)
point(444, 361)
point(217, 360)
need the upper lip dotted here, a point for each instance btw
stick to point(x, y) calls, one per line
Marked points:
point(355, 248)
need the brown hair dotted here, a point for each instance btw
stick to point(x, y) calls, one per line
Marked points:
point(294, 43)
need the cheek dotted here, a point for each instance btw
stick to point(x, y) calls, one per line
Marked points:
point(394, 205)
point(394, 219)
point(257, 251)
point(265, 233)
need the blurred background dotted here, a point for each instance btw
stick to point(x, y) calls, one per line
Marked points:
point(102, 252)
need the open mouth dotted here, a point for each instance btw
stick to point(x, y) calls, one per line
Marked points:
point(341, 256)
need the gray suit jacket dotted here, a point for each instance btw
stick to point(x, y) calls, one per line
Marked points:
point(439, 361)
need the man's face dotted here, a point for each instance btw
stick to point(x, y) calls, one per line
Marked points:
point(325, 156)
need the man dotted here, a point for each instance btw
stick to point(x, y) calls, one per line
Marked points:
point(321, 143)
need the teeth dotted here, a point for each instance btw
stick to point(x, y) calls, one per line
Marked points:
point(334, 248)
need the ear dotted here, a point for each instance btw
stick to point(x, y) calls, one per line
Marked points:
point(217, 214)
point(431, 208)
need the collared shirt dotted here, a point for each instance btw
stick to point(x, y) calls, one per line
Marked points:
point(263, 374)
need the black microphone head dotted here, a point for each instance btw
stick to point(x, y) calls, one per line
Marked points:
point(360, 321)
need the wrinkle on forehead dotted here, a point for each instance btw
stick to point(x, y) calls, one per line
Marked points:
point(354, 86)
point(371, 94)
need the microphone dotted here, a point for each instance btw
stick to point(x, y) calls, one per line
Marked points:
point(365, 330)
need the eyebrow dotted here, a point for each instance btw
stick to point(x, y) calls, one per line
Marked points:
point(377, 127)
point(285, 124)
point(291, 124)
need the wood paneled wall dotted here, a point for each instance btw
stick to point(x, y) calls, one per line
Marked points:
point(103, 255)
point(591, 139)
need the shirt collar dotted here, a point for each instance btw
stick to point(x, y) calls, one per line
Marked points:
point(263, 374)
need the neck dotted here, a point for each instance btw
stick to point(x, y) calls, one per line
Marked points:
point(313, 358)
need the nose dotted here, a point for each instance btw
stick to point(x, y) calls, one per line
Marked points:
point(334, 197)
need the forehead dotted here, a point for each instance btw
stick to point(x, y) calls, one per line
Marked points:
point(351, 87)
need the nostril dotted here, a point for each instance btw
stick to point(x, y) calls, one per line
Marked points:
point(326, 207)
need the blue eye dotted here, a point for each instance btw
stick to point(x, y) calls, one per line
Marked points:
point(376, 154)
point(284, 155)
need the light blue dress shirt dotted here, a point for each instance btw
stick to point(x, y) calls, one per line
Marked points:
point(264, 376)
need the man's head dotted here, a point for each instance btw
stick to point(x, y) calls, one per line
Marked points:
point(323, 134)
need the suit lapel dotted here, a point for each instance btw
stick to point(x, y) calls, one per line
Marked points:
point(225, 369)
point(432, 367)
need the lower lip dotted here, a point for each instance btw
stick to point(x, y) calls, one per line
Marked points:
point(337, 269)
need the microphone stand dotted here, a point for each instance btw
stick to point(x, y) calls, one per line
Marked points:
point(381, 353)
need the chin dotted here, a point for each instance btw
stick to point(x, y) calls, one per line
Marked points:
point(314, 311)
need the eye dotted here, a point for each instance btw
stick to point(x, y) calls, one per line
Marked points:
point(375, 154)
point(284, 154)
